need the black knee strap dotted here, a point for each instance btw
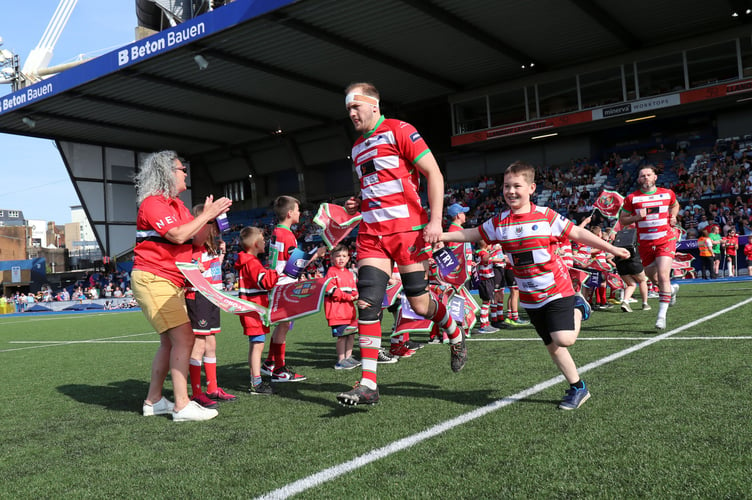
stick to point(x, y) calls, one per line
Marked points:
point(415, 283)
point(372, 283)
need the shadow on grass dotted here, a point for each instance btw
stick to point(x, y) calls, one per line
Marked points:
point(125, 395)
point(325, 395)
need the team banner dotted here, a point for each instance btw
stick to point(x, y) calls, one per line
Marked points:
point(609, 203)
point(459, 275)
point(471, 308)
point(336, 223)
point(224, 301)
point(295, 300)
point(392, 293)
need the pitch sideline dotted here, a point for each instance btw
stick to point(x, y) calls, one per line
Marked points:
point(334, 472)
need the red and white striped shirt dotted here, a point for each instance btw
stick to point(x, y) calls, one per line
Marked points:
point(384, 161)
point(529, 241)
point(655, 227)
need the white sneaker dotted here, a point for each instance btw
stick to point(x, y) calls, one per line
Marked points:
point(193, 412)
point(632, 300)
point(161, 407)
point(660, 323)
point(674, 291)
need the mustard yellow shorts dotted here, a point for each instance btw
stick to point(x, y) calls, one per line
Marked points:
point(162, 302)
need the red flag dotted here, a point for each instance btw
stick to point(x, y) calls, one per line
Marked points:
point(609, 203)
point(336, 223)
point(224, 301)
point(295, 300)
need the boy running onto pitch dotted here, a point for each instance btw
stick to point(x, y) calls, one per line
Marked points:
point(254, 283)
point(528, 235)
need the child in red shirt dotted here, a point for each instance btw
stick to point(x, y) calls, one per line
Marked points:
point(254, 283)
point(339, 307)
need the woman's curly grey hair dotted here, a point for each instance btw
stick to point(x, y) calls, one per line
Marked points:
point(156, 176)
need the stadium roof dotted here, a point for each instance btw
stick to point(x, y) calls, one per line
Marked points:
point(281, 65)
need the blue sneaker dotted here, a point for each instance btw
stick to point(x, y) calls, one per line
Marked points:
point(581, 304)
point(574, 398)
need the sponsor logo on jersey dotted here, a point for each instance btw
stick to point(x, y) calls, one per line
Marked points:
point(415, 136)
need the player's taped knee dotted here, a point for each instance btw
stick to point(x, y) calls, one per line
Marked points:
point(415, 283)
point(372, 283)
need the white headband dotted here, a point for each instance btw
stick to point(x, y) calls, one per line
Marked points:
point(365, 99)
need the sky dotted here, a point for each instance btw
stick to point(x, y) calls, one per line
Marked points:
point(33, 177)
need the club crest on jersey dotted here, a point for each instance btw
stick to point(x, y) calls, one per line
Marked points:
point(518, 230)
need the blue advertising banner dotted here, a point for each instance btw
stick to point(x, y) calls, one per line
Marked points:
point(194, 29)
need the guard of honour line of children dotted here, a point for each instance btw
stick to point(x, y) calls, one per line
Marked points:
point(395, 232)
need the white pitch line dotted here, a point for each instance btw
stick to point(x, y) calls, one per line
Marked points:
point(55, 343)
point(334, 472)
point(508, 339)
point(84, 342)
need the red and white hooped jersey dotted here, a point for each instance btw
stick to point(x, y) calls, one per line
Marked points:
point(211, 263)
point(655, 227)
point(384, 160)
point(529, 241)
point(485, 271)
point(281, 246)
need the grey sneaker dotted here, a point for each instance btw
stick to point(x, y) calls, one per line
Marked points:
point(354, 363)
point(262, 389)
point(458, 353)
point(386, 357)
point(161, 407)
point(646, 306)
point(487, 329)
point(625, 307)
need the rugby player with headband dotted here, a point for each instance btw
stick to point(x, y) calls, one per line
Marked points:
point(389, 158)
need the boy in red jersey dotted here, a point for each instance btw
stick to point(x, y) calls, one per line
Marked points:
point(339, 307)
point(283, 243)
point(204, 318)
point(389, 158)
point(254, 283)
point(528, 235)
point(654, 209)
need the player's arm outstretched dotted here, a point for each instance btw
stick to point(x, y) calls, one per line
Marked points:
point(468, 235)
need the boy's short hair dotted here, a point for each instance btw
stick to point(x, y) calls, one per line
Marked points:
point(340, 248)
point(283, 204)
point(521, 168)
point(249, 235)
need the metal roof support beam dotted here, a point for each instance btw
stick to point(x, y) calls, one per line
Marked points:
point(472, 31)
point(366, 52)
point(167, 112)
point(235, 98)
point(609, 23)
point(271, 70)
point(140, 130)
